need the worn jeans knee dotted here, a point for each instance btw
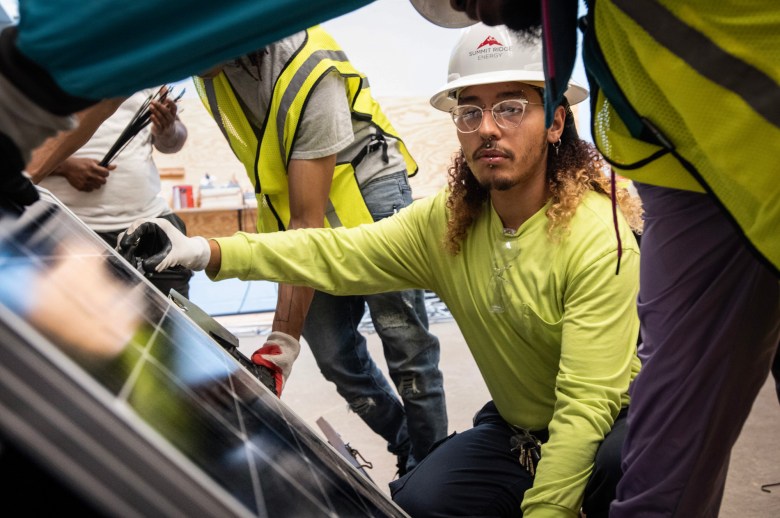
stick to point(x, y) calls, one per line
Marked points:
point(341, 353)
point(412, 354)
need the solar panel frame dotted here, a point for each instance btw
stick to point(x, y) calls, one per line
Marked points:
point(213, 441)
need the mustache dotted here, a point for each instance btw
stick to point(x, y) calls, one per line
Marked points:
point(491, 148)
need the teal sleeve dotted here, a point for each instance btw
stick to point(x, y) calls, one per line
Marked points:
point(103, 48)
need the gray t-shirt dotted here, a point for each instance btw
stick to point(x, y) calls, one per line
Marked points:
point(327, 126)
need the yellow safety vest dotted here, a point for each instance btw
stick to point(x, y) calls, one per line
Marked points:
point(690, 99)
point(266, 163)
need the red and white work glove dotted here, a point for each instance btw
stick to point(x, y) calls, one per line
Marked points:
point(278, 354)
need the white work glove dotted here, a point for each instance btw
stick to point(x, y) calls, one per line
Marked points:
point(157, 245)
point(278, 354)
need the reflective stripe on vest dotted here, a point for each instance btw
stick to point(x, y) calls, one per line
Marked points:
point(706, 76)
point(267, 170)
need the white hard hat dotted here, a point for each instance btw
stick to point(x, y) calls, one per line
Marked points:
point(441, 13)
point(493, 54)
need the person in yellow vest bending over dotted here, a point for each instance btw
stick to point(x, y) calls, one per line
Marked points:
point(320, 152)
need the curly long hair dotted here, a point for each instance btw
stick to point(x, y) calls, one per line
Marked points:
point(576, 168)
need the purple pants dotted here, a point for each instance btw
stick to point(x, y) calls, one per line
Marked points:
point(710, 322)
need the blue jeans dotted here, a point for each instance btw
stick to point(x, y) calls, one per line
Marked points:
point(414, 423)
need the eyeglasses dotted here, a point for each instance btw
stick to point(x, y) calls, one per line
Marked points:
point(507, 114)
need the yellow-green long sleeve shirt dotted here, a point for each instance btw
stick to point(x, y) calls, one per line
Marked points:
point(560, 356)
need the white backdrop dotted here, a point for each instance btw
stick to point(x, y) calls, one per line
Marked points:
point(405, 55)
point(402, 53)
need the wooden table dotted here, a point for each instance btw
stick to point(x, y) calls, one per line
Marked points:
point(219, 222)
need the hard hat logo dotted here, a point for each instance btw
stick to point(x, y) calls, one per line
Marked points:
point(490, 40)
point(491, 48)
point(494, 54)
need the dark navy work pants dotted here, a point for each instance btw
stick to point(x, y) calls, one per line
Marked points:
point(476, 474)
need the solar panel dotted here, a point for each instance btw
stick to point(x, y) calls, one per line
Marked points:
point(117, 394)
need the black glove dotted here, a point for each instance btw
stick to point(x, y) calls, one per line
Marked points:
point(145, 247)
point(152, 245)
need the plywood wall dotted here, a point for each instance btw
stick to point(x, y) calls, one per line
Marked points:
point(429, 134)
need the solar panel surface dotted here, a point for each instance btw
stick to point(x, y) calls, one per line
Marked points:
point(116, 391)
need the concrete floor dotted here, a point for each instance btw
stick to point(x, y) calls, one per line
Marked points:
point(755, 458)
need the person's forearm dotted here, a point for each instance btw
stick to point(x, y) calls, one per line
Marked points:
point(55, 150)
point(47, 158)
point(309, 182)
point(173, 142)
point(215, 259)
point(292, 306)
point(292, 303)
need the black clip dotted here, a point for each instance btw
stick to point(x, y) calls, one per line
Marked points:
point(377, 141)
